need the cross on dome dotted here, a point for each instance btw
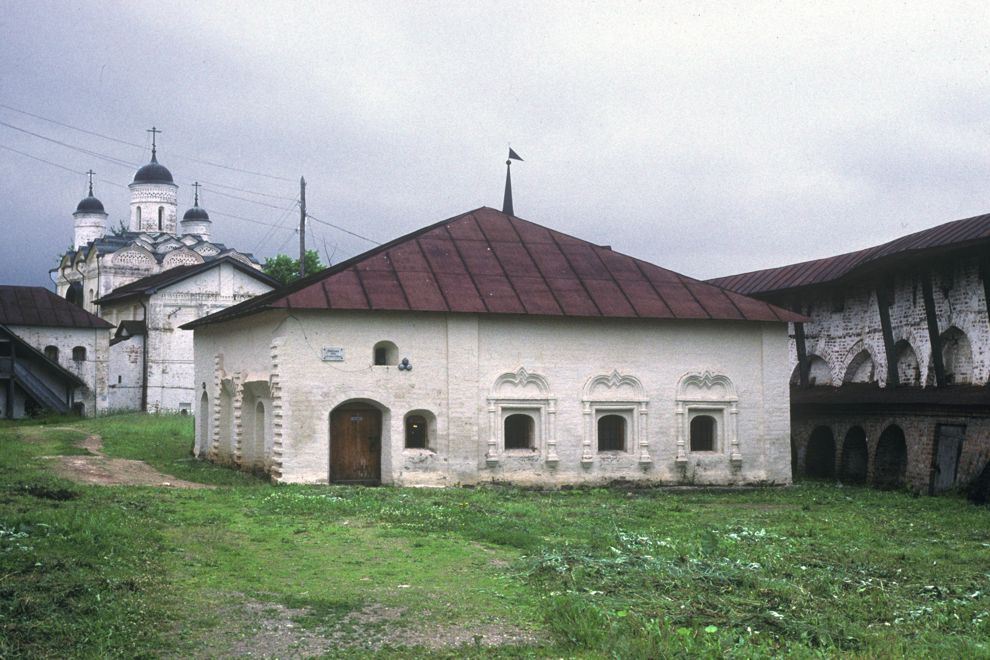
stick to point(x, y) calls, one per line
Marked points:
point(154, 146)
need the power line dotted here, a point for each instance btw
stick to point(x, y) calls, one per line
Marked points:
point(75, 128)
point(346, 231)
point(240, 217)
point(244, 199)
point(280, 247)
point(143, 147)
point(250, 192)
point(88, 152)
point(279, 223)
point(123, 163)
point(47, 162)
point(117, 185)
point(61, 167)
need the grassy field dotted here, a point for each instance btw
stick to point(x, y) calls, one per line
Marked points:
point(245, 567)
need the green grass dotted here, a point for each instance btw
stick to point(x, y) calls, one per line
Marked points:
point(811, 571)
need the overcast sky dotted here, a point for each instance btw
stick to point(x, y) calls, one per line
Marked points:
point(710, 138)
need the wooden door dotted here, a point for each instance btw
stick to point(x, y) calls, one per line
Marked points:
point(948, 447)
point(356, 444)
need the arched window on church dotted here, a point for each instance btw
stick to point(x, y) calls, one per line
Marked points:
point(137, 216)
point(161, 218)
point(74, 294)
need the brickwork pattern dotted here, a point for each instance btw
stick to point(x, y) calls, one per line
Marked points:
point(919, 434)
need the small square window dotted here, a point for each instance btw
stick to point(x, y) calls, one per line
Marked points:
point(704, 433)
point(519, 432)
point(611, 433)
point(416, 432)
point(385, 353)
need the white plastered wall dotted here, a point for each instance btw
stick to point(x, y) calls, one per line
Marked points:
point(92, 370)
point(171, 384)
point(456, 361)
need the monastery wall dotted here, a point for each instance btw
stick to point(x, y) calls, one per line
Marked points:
point(844, 323)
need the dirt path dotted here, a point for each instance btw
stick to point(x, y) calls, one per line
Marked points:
point(101, 470)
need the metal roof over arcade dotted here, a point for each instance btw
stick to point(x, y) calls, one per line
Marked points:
point(954, 235)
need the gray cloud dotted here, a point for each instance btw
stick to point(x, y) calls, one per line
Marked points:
point(709, 139)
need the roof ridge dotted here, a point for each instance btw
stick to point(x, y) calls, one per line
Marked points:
point(575, 278)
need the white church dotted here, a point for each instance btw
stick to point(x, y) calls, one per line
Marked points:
point(489, 348)
point(148, 280)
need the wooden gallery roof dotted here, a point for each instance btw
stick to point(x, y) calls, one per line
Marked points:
point(487, 262)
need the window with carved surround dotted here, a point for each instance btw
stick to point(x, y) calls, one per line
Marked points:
point(707, 413)
point(614, 395)
point(517, 395)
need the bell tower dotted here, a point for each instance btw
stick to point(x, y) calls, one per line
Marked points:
point(90, 219)
point(153, 195)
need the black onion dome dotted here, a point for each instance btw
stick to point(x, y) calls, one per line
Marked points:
point(153, 172)
point(196, 213)
point(90, 205)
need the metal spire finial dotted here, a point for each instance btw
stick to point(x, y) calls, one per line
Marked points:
point(196, 199)
point(154, 146)
point(507, 198)
point(90, 173)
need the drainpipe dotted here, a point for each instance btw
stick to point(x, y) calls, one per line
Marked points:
point(144, 361)
point(82, 283)
point(99, 294)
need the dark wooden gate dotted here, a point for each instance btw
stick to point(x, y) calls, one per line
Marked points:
point(948, 447)
point(356, 444)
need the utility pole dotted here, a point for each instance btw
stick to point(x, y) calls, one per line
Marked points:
point(302, 227)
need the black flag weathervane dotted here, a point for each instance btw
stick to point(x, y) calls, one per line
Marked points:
point(507, 199)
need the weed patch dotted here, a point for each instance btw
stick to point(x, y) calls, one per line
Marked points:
point(247, 567)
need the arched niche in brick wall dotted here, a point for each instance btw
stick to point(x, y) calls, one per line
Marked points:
point(957, 356)
point(859, 365)
point(908, 369)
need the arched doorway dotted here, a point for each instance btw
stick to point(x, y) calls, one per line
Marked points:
point(356, 444)
point(890, 463)
point(855, 456)
point(819, 458)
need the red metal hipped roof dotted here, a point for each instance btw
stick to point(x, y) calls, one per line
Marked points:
point(34, 305)
point(958, 233)
point(486, 261)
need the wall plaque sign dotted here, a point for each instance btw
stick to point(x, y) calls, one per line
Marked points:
point(333, 354)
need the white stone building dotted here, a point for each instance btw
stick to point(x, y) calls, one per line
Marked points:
point(889, 372)
point(152, 369)
point(53, 354)
point(489, 348)
point(100, 262)
point(151, 359)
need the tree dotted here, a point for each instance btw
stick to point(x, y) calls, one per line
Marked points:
point(285, 269)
